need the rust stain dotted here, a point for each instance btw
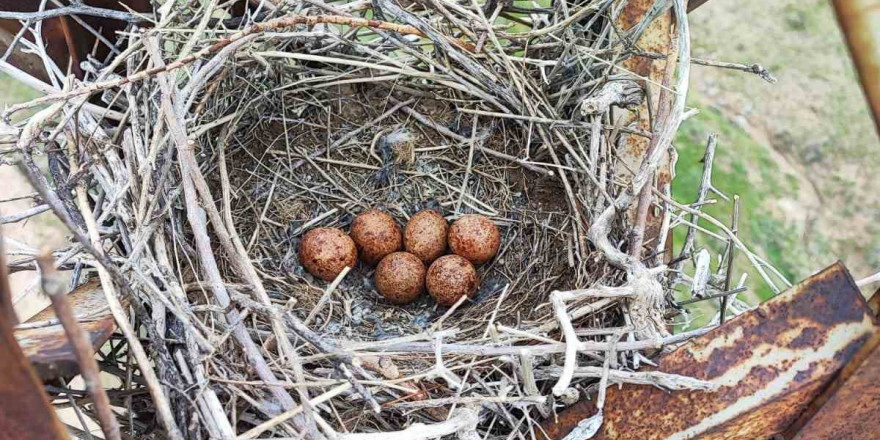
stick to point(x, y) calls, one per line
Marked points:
point(769, 364)
point(842, 380)
point(853, 411)
point(657, 38)
point(858, 20)
point(25, 411)
point(49, 350)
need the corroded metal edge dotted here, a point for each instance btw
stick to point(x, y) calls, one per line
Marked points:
point(657, 38)
point(769, 364)
point(853, 410)
point(49, 350)
point(25, 411)
point(694, 4)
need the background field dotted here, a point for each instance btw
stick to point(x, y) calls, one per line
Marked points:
point(801, 152)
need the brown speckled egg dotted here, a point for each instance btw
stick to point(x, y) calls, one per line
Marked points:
point(450, 278)
point(376, 235)
point(400, 277)
point(425, 235)
point(474, 237)
point(326, 251)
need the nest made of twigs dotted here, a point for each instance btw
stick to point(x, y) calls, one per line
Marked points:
point(233, 137)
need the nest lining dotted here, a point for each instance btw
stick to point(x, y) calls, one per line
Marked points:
point(410, 169)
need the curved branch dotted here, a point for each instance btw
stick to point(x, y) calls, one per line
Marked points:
point(463, 422)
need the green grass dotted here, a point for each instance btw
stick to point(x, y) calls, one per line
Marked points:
point(12, 92)
point(742, 167)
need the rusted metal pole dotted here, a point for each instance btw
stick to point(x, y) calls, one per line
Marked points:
point(694, 4)
point(657, 38)
point(769, 364)
point(860, 22)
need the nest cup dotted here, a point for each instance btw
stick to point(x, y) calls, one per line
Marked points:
point(402, 166)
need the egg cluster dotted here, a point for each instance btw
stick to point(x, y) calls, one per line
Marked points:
point(401, 276)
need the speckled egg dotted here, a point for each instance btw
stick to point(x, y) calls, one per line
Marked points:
point(475, 238)
point(376, 235)
point(326, 251)
point(400, 277)
point(449, 278)
point(425, 235)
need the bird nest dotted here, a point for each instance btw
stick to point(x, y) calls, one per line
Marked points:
point(193, 161)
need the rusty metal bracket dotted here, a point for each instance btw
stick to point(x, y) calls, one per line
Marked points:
point(769, 364)
point(851, 410)
point(67, 41)
point(47, 346)
point(25, 411)
point(656, 38)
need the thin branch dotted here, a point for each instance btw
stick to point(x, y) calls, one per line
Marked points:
point(75, 9)
point(705, 184)
point(23, 215)
point(731, 249)
point(757, 69)
point(722, 295)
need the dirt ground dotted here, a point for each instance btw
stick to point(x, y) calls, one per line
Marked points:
point(41, 230)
